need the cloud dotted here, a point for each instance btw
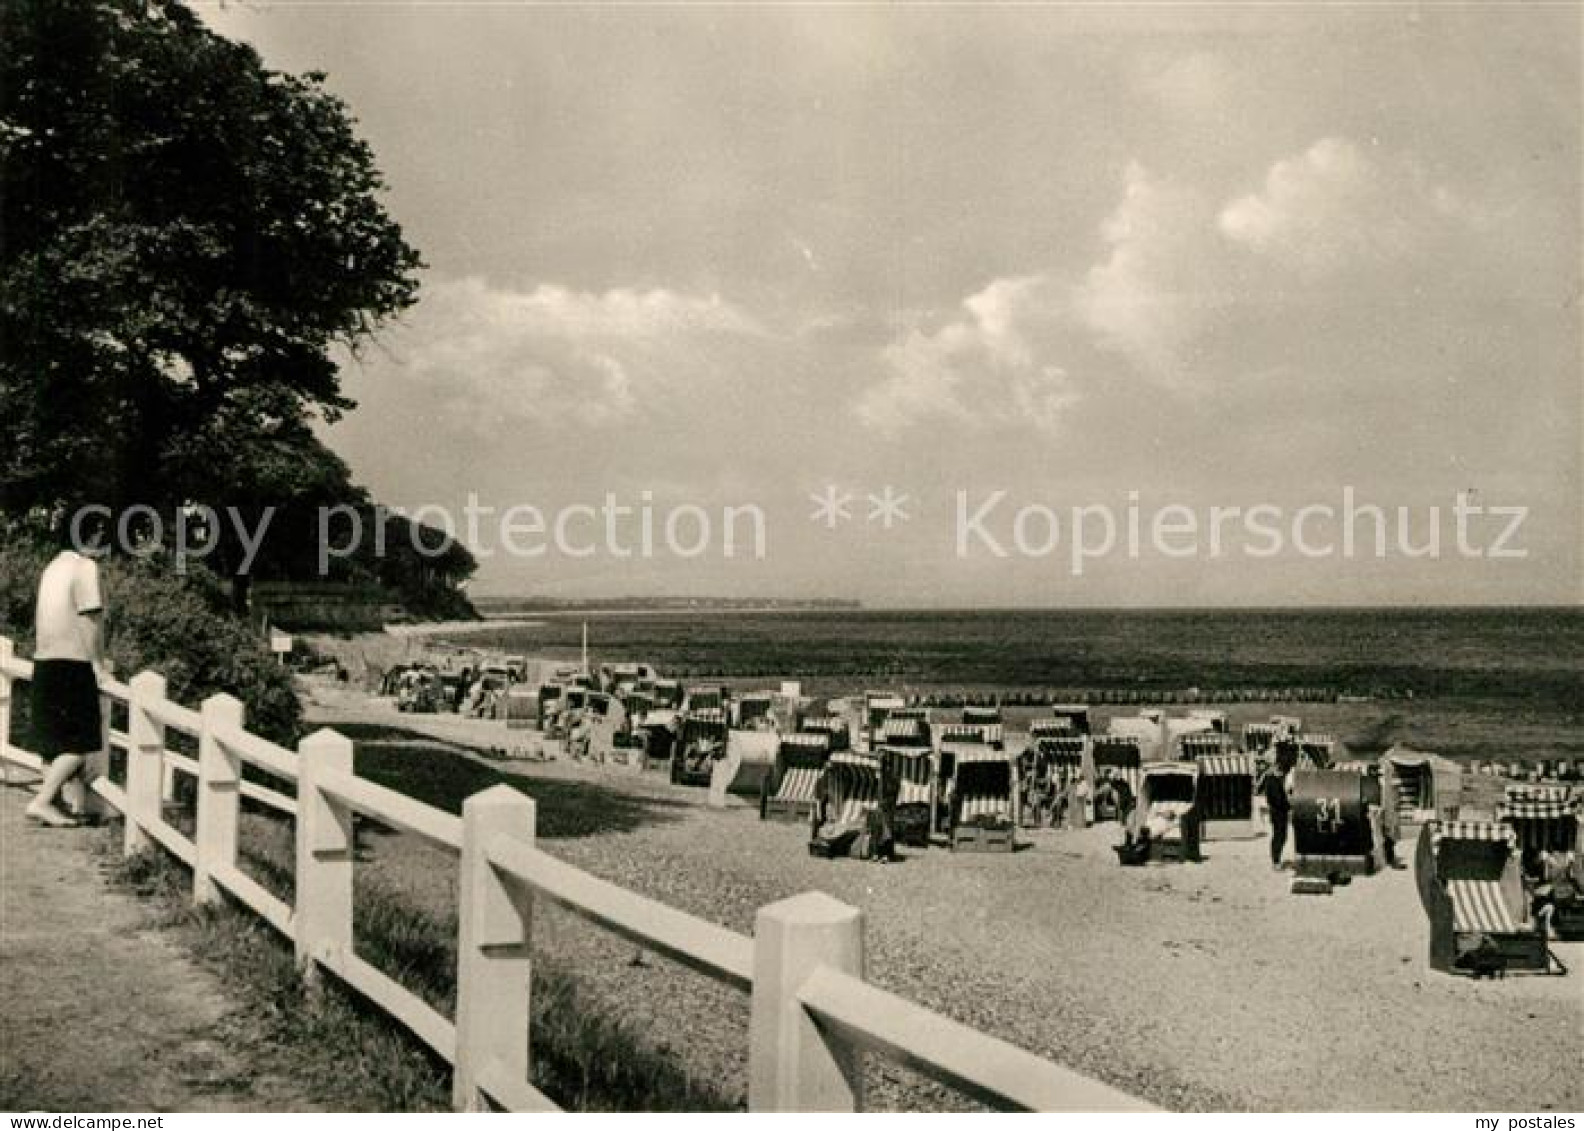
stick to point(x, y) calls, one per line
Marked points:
point(1150, 296)
point(1336, 204)
point(558, 356)
point(985, 368)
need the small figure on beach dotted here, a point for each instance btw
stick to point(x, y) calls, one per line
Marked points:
point(68, 660)
point(1274, 788)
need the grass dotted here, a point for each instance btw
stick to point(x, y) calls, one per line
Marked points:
point(350, 1053)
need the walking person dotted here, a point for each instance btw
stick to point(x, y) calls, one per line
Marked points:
point(68, 659)
point(1278, 803)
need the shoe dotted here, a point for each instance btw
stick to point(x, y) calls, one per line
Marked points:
point(50, 817)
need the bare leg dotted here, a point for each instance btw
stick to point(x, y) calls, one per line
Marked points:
point(63, 769)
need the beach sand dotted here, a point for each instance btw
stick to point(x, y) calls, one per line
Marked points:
point(1197, 986)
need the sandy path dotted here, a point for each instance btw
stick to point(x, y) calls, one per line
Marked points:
point(100, 1013)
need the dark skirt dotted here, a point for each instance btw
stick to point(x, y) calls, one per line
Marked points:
point(65, 709)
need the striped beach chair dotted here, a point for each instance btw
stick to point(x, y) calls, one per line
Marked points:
point(971, 734)
point(848, 790)
point(1544, 817)
point(1549, 823)
point(1050, 728)
point(904, 731)
point(790, 788)
point(1226, 797)
point(1470, 885)
point(834, 727)
point(1257, 737)
point(982, 810)
point(1119, 754)
point(701, 740)
point(1203, 744)
point(913, 769)
point(982, 716)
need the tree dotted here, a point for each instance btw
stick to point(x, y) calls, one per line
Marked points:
point(185, 238)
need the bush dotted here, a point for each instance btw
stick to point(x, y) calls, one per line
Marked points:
point(160, 620)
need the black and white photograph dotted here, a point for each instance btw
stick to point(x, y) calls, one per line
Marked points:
point(614, 556)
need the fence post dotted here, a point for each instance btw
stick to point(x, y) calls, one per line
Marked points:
point(219, 782)
point(326, 846)
point(791, 1064)
point(7, 650)
point(493, 966)
point(145, 762)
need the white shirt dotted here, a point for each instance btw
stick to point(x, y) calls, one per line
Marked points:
point(68, 592)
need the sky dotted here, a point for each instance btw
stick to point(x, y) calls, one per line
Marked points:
point(1201, 257)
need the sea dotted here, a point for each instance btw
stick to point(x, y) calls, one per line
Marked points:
point(1534, 655)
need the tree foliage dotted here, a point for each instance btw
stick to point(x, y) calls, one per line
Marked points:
point(186, 240)
point(185, 236)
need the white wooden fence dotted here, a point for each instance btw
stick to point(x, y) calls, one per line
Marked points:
point(812, 1013)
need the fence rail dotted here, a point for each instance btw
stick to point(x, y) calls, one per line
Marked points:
point(812, 1015)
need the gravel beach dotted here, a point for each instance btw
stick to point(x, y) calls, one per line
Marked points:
point(1197, 986)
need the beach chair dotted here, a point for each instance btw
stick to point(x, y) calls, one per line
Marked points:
point(912, 767)
point(704, 699)
point(1316, 751)
point(1226, 808)
point(982, 810)
point(847, 794)
point(1075, 715)
point(904, 730)
point(1258, 737)
point(789, 790)
point(1547, 820)
point(951, 741)
point(1336, 827)
point(753, 710)
point(1544, 817)
point(702, 736)
point(877, 707)
point(1164, 824)
point(1195, 747)
point(981, 716)
point(1054, 727)
point(1470, 885)
point(1122, 756)
point(1420, 786)
point(1056, 764)
point(834, 727)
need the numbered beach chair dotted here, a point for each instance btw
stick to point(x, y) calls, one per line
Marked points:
point(982, 810)
point(1336, 827)
point(1470, 885)
point(789, 790)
